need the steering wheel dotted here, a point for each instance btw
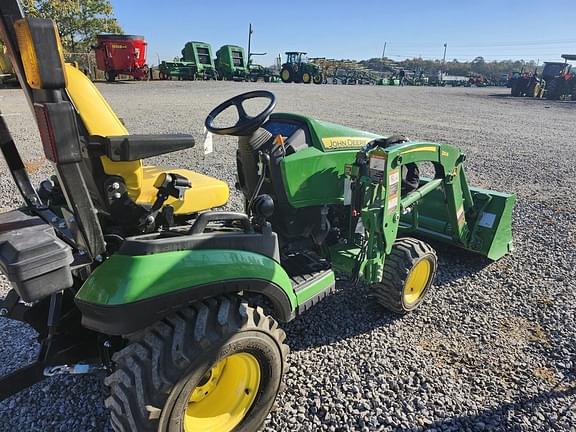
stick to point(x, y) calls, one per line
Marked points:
point(246, 124)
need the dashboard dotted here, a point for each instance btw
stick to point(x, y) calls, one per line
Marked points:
point(284, 128)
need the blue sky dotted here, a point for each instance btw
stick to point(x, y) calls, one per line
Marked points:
point(496, 30)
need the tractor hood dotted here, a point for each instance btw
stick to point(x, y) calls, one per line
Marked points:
point(328, 136)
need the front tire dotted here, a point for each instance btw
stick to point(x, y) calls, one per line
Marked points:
point(214, 366)
point(409, 271)
point(286, 75)
point(110, 76)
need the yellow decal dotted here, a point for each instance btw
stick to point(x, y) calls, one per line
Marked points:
point(444, 153)
point(429, 149)
point(118, 46)
point(332, 143)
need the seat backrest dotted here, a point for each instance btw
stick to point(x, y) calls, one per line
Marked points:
point(98, 118)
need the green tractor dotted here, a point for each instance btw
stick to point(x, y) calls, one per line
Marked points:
point(124, 269)
point(231, 63)
point(298, 69)
point(177, 70)
point(200, 54)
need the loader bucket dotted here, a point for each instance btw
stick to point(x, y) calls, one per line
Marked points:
point(485, 228)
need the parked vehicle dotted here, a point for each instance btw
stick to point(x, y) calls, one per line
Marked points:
point(121, 55)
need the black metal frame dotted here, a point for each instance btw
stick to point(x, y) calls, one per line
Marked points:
point(63, 340)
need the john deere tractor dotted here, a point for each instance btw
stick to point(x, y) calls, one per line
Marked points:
point(124, 269)
point(299, 70)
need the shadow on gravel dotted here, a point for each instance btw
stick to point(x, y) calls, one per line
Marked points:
point(115, 82)
point(503, 96)
point(348, 312)
point(531, 99)
point(528, 406)
point(351, 310)
point(455, 263)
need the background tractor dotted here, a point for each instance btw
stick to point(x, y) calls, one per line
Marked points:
point(524, 84)
point(299, 70)
point(124, 269)
point(560, 79)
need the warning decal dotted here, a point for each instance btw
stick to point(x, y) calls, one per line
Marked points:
point(393, 186)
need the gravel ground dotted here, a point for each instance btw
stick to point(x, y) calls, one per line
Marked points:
point(494, 348)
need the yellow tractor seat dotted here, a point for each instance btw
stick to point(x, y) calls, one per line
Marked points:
point(206, 192)
point(99, 119)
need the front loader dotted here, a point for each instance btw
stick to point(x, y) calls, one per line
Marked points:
point(124, 269)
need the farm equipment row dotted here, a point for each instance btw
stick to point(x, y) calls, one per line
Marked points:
point(197, 62)
point(557, 81)
point(345, 72)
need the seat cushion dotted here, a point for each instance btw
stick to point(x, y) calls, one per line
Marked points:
point(206, 192)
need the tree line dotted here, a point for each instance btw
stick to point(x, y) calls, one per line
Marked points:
point(79, 21)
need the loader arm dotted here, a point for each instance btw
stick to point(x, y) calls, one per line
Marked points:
point(443, 208)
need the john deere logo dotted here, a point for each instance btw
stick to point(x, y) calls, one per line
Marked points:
point(332, 143)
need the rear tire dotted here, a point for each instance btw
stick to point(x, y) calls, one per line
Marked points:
point(409, 271)
point(180, 374)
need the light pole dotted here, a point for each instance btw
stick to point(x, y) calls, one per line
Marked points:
point(443, 63)
point(250, 53)
point(249, 40)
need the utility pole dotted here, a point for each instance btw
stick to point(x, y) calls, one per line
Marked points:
point(249, 40)
point(250, 53)
point(443, 63)
point(384, 51)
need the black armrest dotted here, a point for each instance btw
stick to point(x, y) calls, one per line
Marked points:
point(216, 216)
point(134, 147)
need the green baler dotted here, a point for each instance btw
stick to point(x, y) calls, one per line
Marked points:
point(200, 53)
point(231, 63)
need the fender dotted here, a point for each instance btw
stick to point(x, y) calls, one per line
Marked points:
point(127, 293)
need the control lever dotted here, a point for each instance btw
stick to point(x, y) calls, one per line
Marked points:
point(168, 185)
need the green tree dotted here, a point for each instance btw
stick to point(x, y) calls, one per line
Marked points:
point(79, 21)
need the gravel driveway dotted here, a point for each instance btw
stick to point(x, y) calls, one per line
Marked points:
point(494, 348)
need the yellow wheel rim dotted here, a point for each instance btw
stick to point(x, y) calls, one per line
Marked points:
point(224, 395)
point(417, 281)
point(306, 77)
point(285, 75)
